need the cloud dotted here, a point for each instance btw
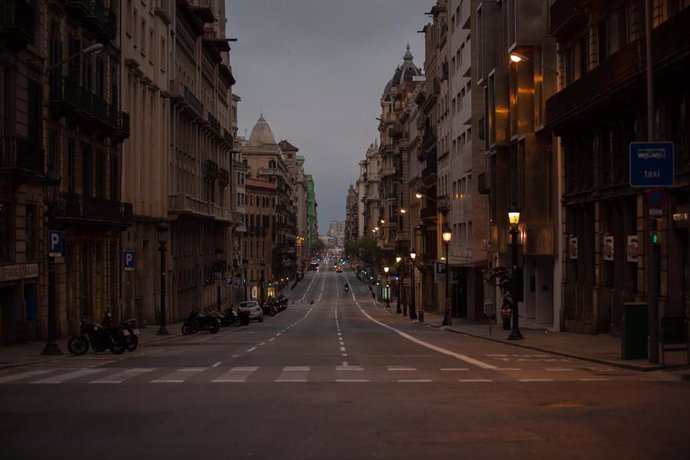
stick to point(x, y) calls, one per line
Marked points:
point(317, 68)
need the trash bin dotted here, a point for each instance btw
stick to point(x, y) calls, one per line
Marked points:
point(635, 331)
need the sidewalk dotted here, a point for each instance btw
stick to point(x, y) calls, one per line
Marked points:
point(30, 353)
point(603, 348)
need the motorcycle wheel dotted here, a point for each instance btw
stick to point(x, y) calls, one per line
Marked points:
point(117, 348)
point(213, 328)
point(186, 329)
point(78, 345)
point(271, 311)
point(236, 322)
point(132, 342)
point(261, 318)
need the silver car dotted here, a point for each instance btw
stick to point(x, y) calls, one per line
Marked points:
point(254, 309)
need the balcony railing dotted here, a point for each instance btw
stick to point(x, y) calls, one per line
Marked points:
point(101, 20)
point(78, 8)
point(78, 207)
point(19, 153)
point(17, 18)
point(68, 96)
point(185, 204)
point(567, 16)
point(597, 86)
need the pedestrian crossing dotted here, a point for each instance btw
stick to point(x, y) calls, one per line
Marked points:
point(218, 374)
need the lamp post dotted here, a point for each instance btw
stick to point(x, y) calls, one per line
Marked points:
point(51, 184)
point(514, 219)
point(447, 235)
point(397, 269)
point(413, 308)
point(245, 263)
point(386, 291)
point(219, 273)
point(263, 265)
point(162, 229)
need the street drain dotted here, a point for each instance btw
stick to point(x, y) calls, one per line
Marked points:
point(564, 405)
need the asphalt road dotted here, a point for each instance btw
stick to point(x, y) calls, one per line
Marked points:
point(336, 376)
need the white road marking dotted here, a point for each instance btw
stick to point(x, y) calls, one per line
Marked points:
point(122, 376)
point(236, 374)
point(180, 375)
point(414, 381)
point(559, 369)
point(294, 374)
point(342, 348)
point(217, 364)
point(400, 368)
point(345, 367)
point(459, 356)
point(474, 380)
point(536, 380)
point(68, 376)
point(507, 369)
point(351, 380)
point(454, 369)
point(594, 380)
point(10, 378)
point(251, 349)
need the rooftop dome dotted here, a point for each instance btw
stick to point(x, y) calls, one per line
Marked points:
point(403, 73)
point(261, 133)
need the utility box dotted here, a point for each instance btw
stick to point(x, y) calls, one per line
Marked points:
point(635, 331)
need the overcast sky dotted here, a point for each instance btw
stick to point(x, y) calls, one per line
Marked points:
point(317, 69)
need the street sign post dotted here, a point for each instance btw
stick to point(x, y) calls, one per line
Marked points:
point(651, 164)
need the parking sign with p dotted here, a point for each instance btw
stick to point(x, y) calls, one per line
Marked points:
point(55, 243)
point(129, 260)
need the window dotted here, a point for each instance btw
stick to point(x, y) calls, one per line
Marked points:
point(30, 223)
point(6, 232)
point(71, 166)
point(35, 111)
point(114, 178)
point(87, 172)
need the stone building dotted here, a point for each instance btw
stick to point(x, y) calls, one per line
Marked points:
point(351, 217)
point(180, 156)
point(23, 277)
point(599, 110)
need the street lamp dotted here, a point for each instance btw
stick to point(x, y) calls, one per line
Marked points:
point(413, 310)
point(245, 263)
point(219, 272)
point(514, 219)
point(263, 265)
point(447, 235)
point(162, 229)
point(385, 288)
point(50, 186)
point(398, 259)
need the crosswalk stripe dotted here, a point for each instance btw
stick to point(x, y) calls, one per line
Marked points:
point(294, 374)
point(236, 374)
point(68, 376)
point(10, 378)
point(123, 376)
point(180, 375)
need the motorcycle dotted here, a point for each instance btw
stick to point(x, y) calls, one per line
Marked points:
point(127, 330)
point(97, 337)
point(197, 321)
point(347, 288)
point(237, 318)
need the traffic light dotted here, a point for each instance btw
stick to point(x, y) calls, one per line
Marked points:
point(655, 232)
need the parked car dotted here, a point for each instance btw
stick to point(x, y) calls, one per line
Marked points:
point(339, 269)
point(253, 308)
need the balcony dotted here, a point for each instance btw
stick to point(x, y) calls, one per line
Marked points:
point(17, 18)
point(194, 207)
point(184, 97)
point(101, 20)
point(78, 8)
point(20, 155)
point(567, 18)
point(68, 97)
point(214, 125)
point(88, 210)
point(597, 88)
point(240, 165)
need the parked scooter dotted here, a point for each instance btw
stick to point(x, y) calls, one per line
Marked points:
point(127, 330)
point(97, 337)
point(197, 321)
point(237, 317)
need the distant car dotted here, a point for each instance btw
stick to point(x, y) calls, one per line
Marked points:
point(313, 266)
point(339, 269)
point(253, 308)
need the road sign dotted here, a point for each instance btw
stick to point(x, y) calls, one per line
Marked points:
point(656, 202)
point(651, 164)
point(55, 243)
point(129, 260)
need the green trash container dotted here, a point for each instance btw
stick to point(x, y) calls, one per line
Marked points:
point(635, 331)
